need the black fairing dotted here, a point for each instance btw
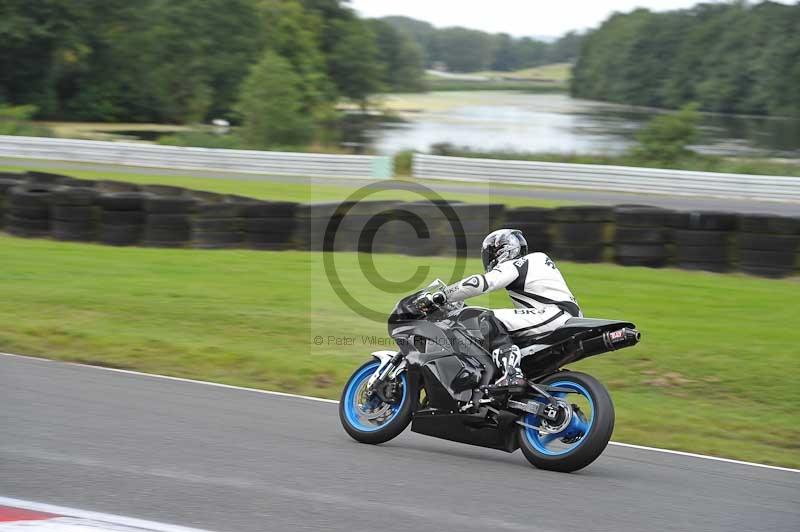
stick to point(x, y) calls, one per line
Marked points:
point(577, 339)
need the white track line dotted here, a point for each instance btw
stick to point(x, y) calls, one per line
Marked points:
point(95, 516)
point(321, 400)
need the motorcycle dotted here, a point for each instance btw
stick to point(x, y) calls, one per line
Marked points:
point(441, 381)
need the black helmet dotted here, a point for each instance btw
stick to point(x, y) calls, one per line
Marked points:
point(503, 245)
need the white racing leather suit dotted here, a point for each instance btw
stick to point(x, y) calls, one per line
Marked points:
point(542, 300)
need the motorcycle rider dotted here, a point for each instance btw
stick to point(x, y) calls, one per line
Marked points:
point(542, 300)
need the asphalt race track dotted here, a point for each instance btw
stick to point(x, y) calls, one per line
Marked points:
point(591, 197)
point(235, 460)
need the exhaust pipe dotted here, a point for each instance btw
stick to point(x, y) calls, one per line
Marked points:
point(610, 341)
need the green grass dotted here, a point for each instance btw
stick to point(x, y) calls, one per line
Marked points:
point(560, 72)
point(715, 373)
point(304, 191)
point(496, 85)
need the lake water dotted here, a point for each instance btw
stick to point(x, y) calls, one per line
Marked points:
point(499, 120)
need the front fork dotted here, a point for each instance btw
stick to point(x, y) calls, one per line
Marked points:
point(392, 363)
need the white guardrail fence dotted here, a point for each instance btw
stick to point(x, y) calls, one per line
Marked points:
point(133, 154)
point(608, 178)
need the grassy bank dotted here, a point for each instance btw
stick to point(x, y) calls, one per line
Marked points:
point(496, 85)
point(715, 372)
point(545, 78)
point(304, 191)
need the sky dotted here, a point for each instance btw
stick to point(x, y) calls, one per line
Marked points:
point(517, 17)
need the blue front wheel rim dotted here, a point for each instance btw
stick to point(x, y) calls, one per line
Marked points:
point(370, 414)
point(574, 434)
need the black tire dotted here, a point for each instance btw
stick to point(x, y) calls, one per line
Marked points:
point(583, 214)
point(217, 237)
point(30, 224)
point(73, 196)
point(765, 223)
point(716, 267)
point(391, 430)
point(641, 216)
point(42, 212)
point(687, 237)
point(768, 259)
point(122, 217)
point(650, 256)
point(169, 204)
point(219, 210)
point(178, 222)
point(164, 190)
point(77, 226)
point(268, 238)
point(46, 178)
point(527, 215)
point(216, 225)
point(580, 233)
point(207, 197)
point(7, 183)
point(274, 209)
point(26, 233)
point(29, 195)
point(116, 187)
point(167, 234)
point(640, 235)
point(271, 225)
point(69, 213)
point(766, 271)
point(590, 253)
point(702, 253)
point(594, 443)
point(75, 232)
point(122, 201)
point(148, 243)
point(705, 221)
point(120, 235)
point(766, 242)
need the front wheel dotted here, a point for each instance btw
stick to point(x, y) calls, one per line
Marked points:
point(576, 440)
point(377, 418)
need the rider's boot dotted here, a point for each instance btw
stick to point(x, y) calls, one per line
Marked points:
point(508, 358)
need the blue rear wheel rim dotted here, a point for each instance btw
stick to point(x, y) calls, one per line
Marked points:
point(357, 409)
point(573, 435)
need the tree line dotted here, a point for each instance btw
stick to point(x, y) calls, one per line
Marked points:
point(729, 58)
point(180, 61)
point(466, 50)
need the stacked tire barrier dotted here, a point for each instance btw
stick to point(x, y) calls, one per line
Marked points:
point(168, 220)
point(73, 214)
point(703, 240)
point(534, 222)
point(312, 223)
point(768, 245)
point(217, 223)
point(125, 214)
point(121, 218)
point(641, 236)
point(476, 221)
point(7, 182)
point(27, 210)
point(580, 233)
point(270, 225)
point(359, 225)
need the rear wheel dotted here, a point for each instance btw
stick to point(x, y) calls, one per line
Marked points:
point(379, 417)
point(578, 436)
